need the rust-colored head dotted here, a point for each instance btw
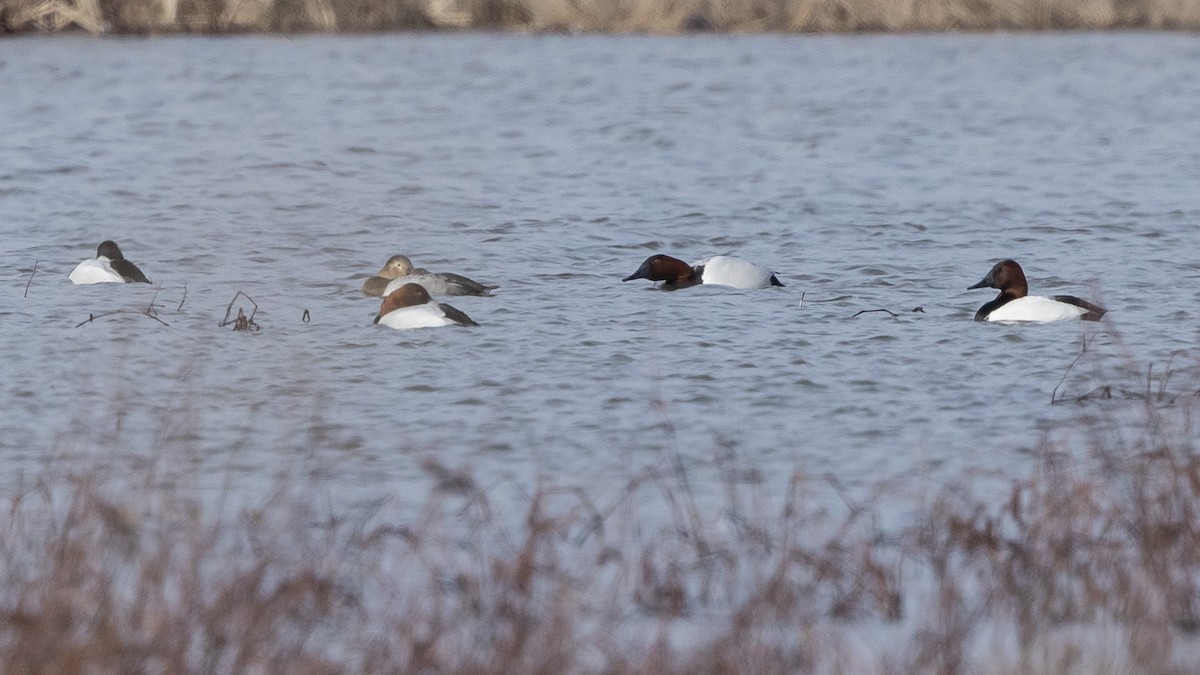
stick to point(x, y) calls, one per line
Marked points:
point(408, 295)
point(1007, 276)
point(662, 268)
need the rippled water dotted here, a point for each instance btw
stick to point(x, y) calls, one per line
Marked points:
point(869, 172)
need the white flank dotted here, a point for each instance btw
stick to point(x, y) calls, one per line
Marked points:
point(97, 271)
point(428, 315)
point(1036, 308)
point(727, 270)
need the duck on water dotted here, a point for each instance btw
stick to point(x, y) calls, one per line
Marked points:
point(399, 270)
point(109, 266)
point(1015, 304)
point(410, 306)
point(720, 270)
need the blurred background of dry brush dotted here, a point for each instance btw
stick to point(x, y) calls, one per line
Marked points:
point(655, 16)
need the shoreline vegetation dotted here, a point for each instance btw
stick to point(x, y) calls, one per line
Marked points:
point(1087, 563)
point(599, 16)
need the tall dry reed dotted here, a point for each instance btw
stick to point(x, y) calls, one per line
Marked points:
point(100, 577)
point(1091, 564)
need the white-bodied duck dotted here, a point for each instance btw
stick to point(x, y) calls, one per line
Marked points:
point(721, 270)
point(109, 266)
point(410, 306)
point(1015, 304)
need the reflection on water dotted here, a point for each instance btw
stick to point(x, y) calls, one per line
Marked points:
point(868, 172)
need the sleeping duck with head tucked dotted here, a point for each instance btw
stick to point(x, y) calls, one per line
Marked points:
point(399, 271)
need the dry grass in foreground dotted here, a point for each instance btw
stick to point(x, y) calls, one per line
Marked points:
point(657, 16)
point(1090, 565)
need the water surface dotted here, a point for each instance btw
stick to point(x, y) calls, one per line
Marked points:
point(871, 172)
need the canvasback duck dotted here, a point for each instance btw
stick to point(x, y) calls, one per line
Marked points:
point(109, 266)
point(1014, 303)
point(399, 270)
point(410, 306)
point(722, 270)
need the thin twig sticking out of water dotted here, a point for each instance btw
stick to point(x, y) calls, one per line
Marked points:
point(182, 300)
point(149, 311)
point(1162, 384)
point(150, 307)
point(1083, 350)
point(242, 322)
point(867, 311)
point(915, 310)
point(31, 273)
point(146, 312)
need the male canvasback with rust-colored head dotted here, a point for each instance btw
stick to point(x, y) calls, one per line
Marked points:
point(1015, 304)
point(399, 271)
point(407, 295)
point(720, 270)
point(411, 306)
point(109, 266)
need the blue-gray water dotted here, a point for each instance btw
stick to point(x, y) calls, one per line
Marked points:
point(870, 172)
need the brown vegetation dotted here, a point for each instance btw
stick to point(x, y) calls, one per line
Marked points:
point(1091, 564)
point(658, 16)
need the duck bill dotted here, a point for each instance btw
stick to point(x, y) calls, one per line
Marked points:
point(642, 272)
point(377, 318)
point(983, 283)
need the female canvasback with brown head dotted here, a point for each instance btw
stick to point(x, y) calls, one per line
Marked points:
point(396, 266)
point(109, 266)
point(721, 270)
point(1015, 304)
point(399, 271)
point(411, 306)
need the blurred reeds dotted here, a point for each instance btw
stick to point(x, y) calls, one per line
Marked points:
point(653, 16)
point(1088, 564)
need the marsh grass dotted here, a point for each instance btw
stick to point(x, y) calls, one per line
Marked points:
point(1089, 564)
point(656, 16)
point(1115, 544)
point(102, 579)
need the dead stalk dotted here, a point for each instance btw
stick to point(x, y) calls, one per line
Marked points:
point(241, 322)
point(1083, 350)
point(31, 273)
point(149, 312)
point(868, 311)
